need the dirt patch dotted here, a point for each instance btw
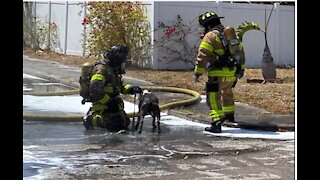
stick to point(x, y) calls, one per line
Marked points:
point(274, 97)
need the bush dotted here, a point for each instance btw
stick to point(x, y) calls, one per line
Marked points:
point(118, 23)
point(179, 41)
point(38, 33)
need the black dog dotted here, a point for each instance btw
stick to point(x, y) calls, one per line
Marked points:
point(148, 104)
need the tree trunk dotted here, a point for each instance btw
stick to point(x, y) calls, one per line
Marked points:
point(269, 72)
point(29, 38)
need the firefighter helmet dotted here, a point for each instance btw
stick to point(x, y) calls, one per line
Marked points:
point(209, 19)
point(117, 54)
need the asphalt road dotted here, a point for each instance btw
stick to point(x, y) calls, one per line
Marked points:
point(61, 150)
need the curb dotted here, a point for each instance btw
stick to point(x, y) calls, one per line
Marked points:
point(245, 125)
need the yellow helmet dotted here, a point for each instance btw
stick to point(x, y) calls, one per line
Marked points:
point(209, 18)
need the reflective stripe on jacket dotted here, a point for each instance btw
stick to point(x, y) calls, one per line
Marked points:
point(106, 84)
point(208, 51)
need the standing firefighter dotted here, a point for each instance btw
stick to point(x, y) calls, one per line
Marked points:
point(221, 55)
point(102, 84)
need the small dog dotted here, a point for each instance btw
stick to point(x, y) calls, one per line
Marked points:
point(148, 104)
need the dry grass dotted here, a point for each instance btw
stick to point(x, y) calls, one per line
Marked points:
point(275, 97)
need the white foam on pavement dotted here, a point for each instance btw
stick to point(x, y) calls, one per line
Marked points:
point(70, 104)
point(32, 77)
point(36, 165)
point(228, 131)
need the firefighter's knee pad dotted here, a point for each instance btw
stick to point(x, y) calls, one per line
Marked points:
point(212, 87)
point(97, 119)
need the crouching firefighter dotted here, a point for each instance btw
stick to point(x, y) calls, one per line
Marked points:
point(101, 83)
point(221, 55)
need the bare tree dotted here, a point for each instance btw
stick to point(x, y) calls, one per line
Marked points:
point(269, 72)
point(28, 26)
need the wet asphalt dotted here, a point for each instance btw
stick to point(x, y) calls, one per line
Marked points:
point(66, 149)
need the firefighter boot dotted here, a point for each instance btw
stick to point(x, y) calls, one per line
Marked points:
point(87, 122)
point(215, 127)
point(230, 118)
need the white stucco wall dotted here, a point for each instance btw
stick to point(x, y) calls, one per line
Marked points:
point(280, 29)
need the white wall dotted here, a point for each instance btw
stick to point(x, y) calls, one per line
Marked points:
point(70, 35)
point(167, 12)
point(58, 17)
point(75, 30)
point(280, 29)
point(286, 36)
point(150, 16)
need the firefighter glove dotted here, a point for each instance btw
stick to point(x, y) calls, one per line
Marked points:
point(135, 90)
point(84, 100)
point(196, 78)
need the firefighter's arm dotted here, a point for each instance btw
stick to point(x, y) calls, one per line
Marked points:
point(126, 88)
point(97, 85)
point(129, 89)
point(202, 59)
point(204, 55)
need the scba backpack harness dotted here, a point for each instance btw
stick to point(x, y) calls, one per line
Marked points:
point(231, 44)
point(85, 78)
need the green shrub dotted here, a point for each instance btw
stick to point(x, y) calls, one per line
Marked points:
point(118, 23)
